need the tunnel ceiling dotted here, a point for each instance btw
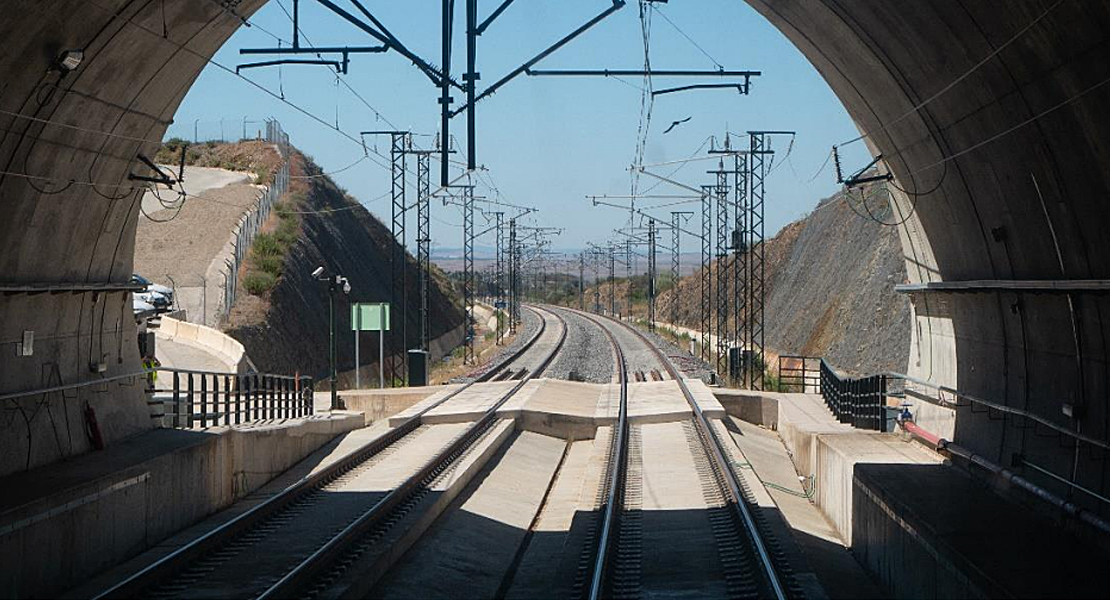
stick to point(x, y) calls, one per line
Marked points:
point(1029, 205)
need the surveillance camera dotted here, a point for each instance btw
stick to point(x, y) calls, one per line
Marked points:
point(318, 272)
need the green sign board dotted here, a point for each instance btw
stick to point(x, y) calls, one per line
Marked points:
point(370, 316)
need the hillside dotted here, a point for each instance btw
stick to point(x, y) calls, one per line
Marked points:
point(285, 328)
point(830, 280)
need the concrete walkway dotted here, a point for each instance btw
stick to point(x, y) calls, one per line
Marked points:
point(197, 181)
point(175, 355)
point(837, 571)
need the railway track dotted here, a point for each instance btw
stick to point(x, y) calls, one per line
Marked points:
point(303, 541)
point(749, 562)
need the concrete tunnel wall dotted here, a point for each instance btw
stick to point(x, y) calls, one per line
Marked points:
point(129, 85)
point(980, 216)
point(976, 217)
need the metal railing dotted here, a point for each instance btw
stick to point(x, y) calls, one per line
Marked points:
point(185, 399)
point(800, 374)
point(859, 402)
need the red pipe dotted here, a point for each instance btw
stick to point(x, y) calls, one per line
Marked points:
point(918, 432)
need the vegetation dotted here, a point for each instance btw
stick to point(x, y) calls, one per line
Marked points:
point(248, 156)
point(269, 249)
point(258, 282)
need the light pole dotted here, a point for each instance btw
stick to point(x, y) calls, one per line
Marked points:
point(335, 282)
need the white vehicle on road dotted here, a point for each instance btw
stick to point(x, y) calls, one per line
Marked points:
point(165, 290)
point(141, 308)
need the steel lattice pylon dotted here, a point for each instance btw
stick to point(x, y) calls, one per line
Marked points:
point(628, 276)
point(398, 265)
point(706, 275)
point(651, 274)
point(423, 238)
point(514, 268)
point(740, 254)
point(582, 280)
point(468, 271)
point(758, 157)
point(499, 277)
point(675, 264)
point(612, 281)
point(720, 192)
point(595, 262)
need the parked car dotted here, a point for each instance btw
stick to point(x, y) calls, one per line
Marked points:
point(155, 299)
point(165, 291)
point(141, 308)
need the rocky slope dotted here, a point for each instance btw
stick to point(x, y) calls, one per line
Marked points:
point(830, 281)
point(286, 329)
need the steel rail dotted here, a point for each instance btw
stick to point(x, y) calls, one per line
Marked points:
point(177, 560)
point(299, 576)
point(618, 452)
point(717, 452)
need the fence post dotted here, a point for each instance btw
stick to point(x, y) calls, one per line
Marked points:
point(238, 399)
point(285, 398)
point(268, 383)
point(189, 402)
point(203, 401)
point(176, 399)
point(227, 400)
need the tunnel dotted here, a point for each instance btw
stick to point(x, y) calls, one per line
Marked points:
point(991, 121)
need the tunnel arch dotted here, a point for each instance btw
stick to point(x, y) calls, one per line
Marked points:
point(1027, 206)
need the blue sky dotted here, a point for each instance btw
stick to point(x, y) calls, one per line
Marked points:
point(546, 142)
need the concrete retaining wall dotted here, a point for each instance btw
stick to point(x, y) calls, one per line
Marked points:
point(147, 489)
point(224, 347)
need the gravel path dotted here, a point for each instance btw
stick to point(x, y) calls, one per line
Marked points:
point(637, 355)
point(586, 354)
point(530, 324)
point(690, 365)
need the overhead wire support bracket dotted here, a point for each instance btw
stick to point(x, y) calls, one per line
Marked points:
point(742, 88)
point(526, 67)
point(163, 178)
point(387, 38)
point(641, 73)
point(493, 16)
point(340, 67)
point(858, 178)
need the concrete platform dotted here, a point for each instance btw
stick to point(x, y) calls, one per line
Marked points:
point(566, 409)
point(70, 520)
point(473, 402)
point(376, 404)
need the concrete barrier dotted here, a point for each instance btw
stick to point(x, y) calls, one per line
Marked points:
point(68, 521)
point(225, 348)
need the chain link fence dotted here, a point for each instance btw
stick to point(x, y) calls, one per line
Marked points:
point(252, 221)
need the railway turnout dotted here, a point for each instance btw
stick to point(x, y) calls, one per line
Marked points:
point(511, 485)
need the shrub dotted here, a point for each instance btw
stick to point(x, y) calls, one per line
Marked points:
point(266, 244)
point(269, 264)
point(258, 282)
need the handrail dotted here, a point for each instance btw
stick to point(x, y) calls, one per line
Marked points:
point(974, 400)
point(995, 406)
point(71, 386)
point(142, 373)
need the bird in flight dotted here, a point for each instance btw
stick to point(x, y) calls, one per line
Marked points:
point(676, 124)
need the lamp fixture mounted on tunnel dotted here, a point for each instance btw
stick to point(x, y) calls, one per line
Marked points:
point(69, 60)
